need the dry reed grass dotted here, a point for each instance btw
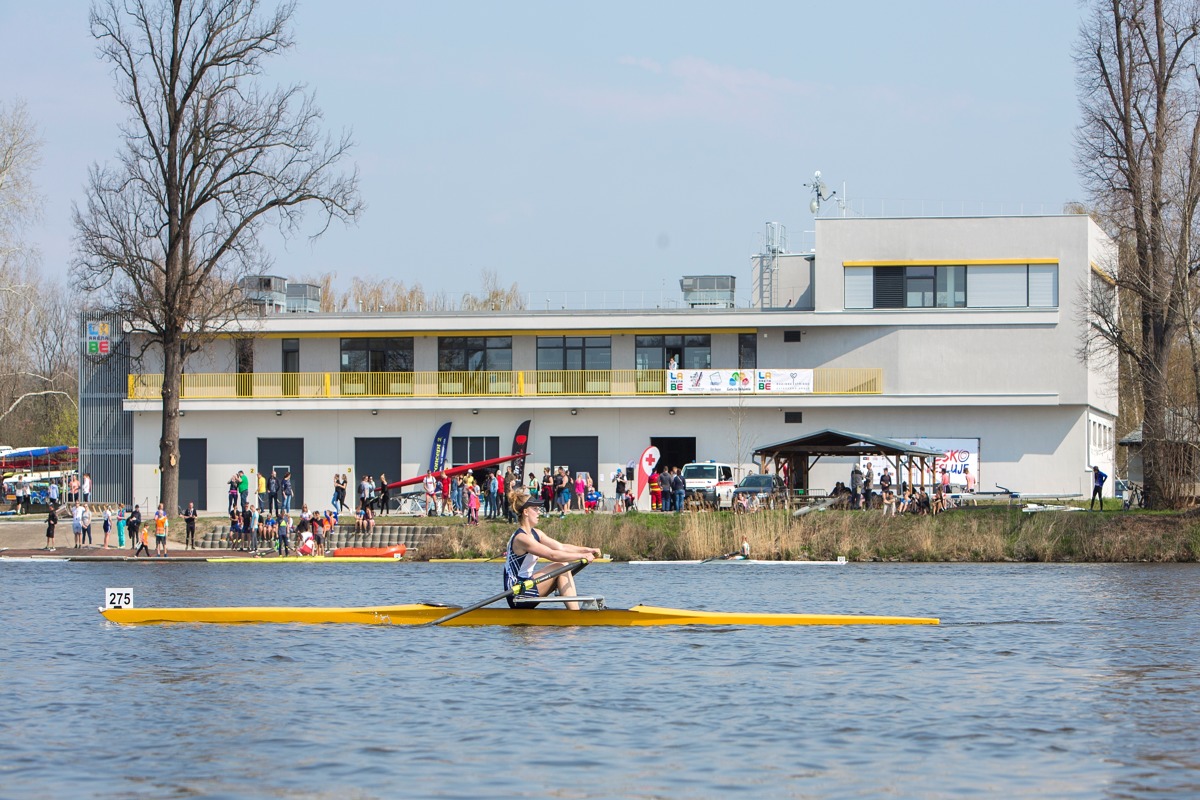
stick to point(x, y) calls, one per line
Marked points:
point(983, 534)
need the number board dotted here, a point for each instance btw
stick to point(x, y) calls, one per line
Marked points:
point(118, 598)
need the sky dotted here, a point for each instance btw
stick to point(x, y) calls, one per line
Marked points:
point(574, 146)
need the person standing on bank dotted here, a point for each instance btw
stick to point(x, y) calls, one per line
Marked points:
point(285, 489)
point(189, 526)
point(528, 544)
point(51, 521)
point(135, 524)
point(85, 525)
point(1098, 479)
point(160, 531)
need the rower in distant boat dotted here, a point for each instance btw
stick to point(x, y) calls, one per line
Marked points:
point(528, 544)
point(745, 547)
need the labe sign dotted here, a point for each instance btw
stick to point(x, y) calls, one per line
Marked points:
point(97, 338)
point(750, 381)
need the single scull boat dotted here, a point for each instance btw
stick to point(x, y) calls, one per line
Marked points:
point(418, 614)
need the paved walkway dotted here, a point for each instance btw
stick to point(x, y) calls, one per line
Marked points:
point(24, 538)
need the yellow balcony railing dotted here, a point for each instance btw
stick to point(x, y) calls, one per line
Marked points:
point(496, 383)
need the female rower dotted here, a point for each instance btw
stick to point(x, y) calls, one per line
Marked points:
point(528, 544)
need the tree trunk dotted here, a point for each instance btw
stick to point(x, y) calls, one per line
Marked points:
point(1155, 464)
point(168, 443)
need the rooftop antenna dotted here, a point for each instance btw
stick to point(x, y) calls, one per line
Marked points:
point(822, 194)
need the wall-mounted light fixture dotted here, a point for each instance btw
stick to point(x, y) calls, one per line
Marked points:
point(279, 413)
point(474, 410)
point(181, 414)
point(671, 412)
point(574, 411)
point(374, 412)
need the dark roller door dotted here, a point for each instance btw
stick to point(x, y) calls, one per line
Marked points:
point(374, 457)
point(577, 453)
point(281, 454)
point(675, 451)
point(193, 473)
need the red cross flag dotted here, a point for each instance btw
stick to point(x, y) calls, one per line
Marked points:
point(646, 465)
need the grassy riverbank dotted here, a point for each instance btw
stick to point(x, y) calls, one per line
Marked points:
point(996, 533)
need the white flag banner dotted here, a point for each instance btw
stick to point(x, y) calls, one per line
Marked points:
point(737, 381)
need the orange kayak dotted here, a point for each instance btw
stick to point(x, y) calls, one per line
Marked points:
point(395, 551)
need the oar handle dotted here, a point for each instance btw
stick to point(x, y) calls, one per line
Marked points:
point(521, 586)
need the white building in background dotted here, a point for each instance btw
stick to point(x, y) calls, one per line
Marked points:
point(959, 331)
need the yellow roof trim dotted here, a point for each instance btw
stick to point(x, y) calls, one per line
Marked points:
point(391, 334)
point(968, 262)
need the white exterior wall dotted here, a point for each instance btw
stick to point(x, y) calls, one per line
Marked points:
point(1008, 377)
point(1040, 450)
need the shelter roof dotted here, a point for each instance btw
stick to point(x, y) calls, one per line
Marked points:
point(833, 442)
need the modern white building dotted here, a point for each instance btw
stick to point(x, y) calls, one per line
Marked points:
point(960, 332)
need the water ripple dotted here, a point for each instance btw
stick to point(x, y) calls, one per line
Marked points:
point(1044, 680)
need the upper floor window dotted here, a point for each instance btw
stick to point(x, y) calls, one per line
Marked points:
point(747, 350)
point(953, 286)
point(690, 351)
point(291, 355)
point(377, 355)
point(574, 352)
point(474, 353)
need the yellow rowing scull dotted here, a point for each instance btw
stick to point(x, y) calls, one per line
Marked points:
point(417, 614)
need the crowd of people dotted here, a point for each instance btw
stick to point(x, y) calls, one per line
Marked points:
point(894, 499)
point(489, 494)
point(115, 523)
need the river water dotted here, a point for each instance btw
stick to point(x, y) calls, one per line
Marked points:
point(1042, 681)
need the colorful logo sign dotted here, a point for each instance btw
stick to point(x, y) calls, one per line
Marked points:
point(98, 338)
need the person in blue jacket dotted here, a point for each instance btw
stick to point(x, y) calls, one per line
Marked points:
point(1098, 479)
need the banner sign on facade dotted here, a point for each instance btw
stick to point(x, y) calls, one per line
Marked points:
point(957, 454)
point(98, 338)
point(737, 381)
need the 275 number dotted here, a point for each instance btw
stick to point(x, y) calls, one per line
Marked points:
point(118, 598)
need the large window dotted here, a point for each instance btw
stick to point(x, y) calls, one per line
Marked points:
point(574, 352)
point(747, 350)
point(291, 355)
point(953, 286)
point(474, 353)
point(690, 351)
point(377, 355)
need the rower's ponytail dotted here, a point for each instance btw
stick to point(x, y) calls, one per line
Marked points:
point(517, 499)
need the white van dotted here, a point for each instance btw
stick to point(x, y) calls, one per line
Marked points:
point(712, 478)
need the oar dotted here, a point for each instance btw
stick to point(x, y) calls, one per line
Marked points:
point(524, 585)
point(720, 558)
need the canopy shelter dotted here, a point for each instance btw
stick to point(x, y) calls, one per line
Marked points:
point(799, 455)
point(55, 457)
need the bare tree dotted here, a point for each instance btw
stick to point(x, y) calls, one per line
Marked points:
point(492, 296)
point(38, 360)
point(20, 201)
point(210, 157)
point(38, 374)
point(1138, 149)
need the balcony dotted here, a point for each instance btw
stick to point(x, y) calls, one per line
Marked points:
point(515, 383)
